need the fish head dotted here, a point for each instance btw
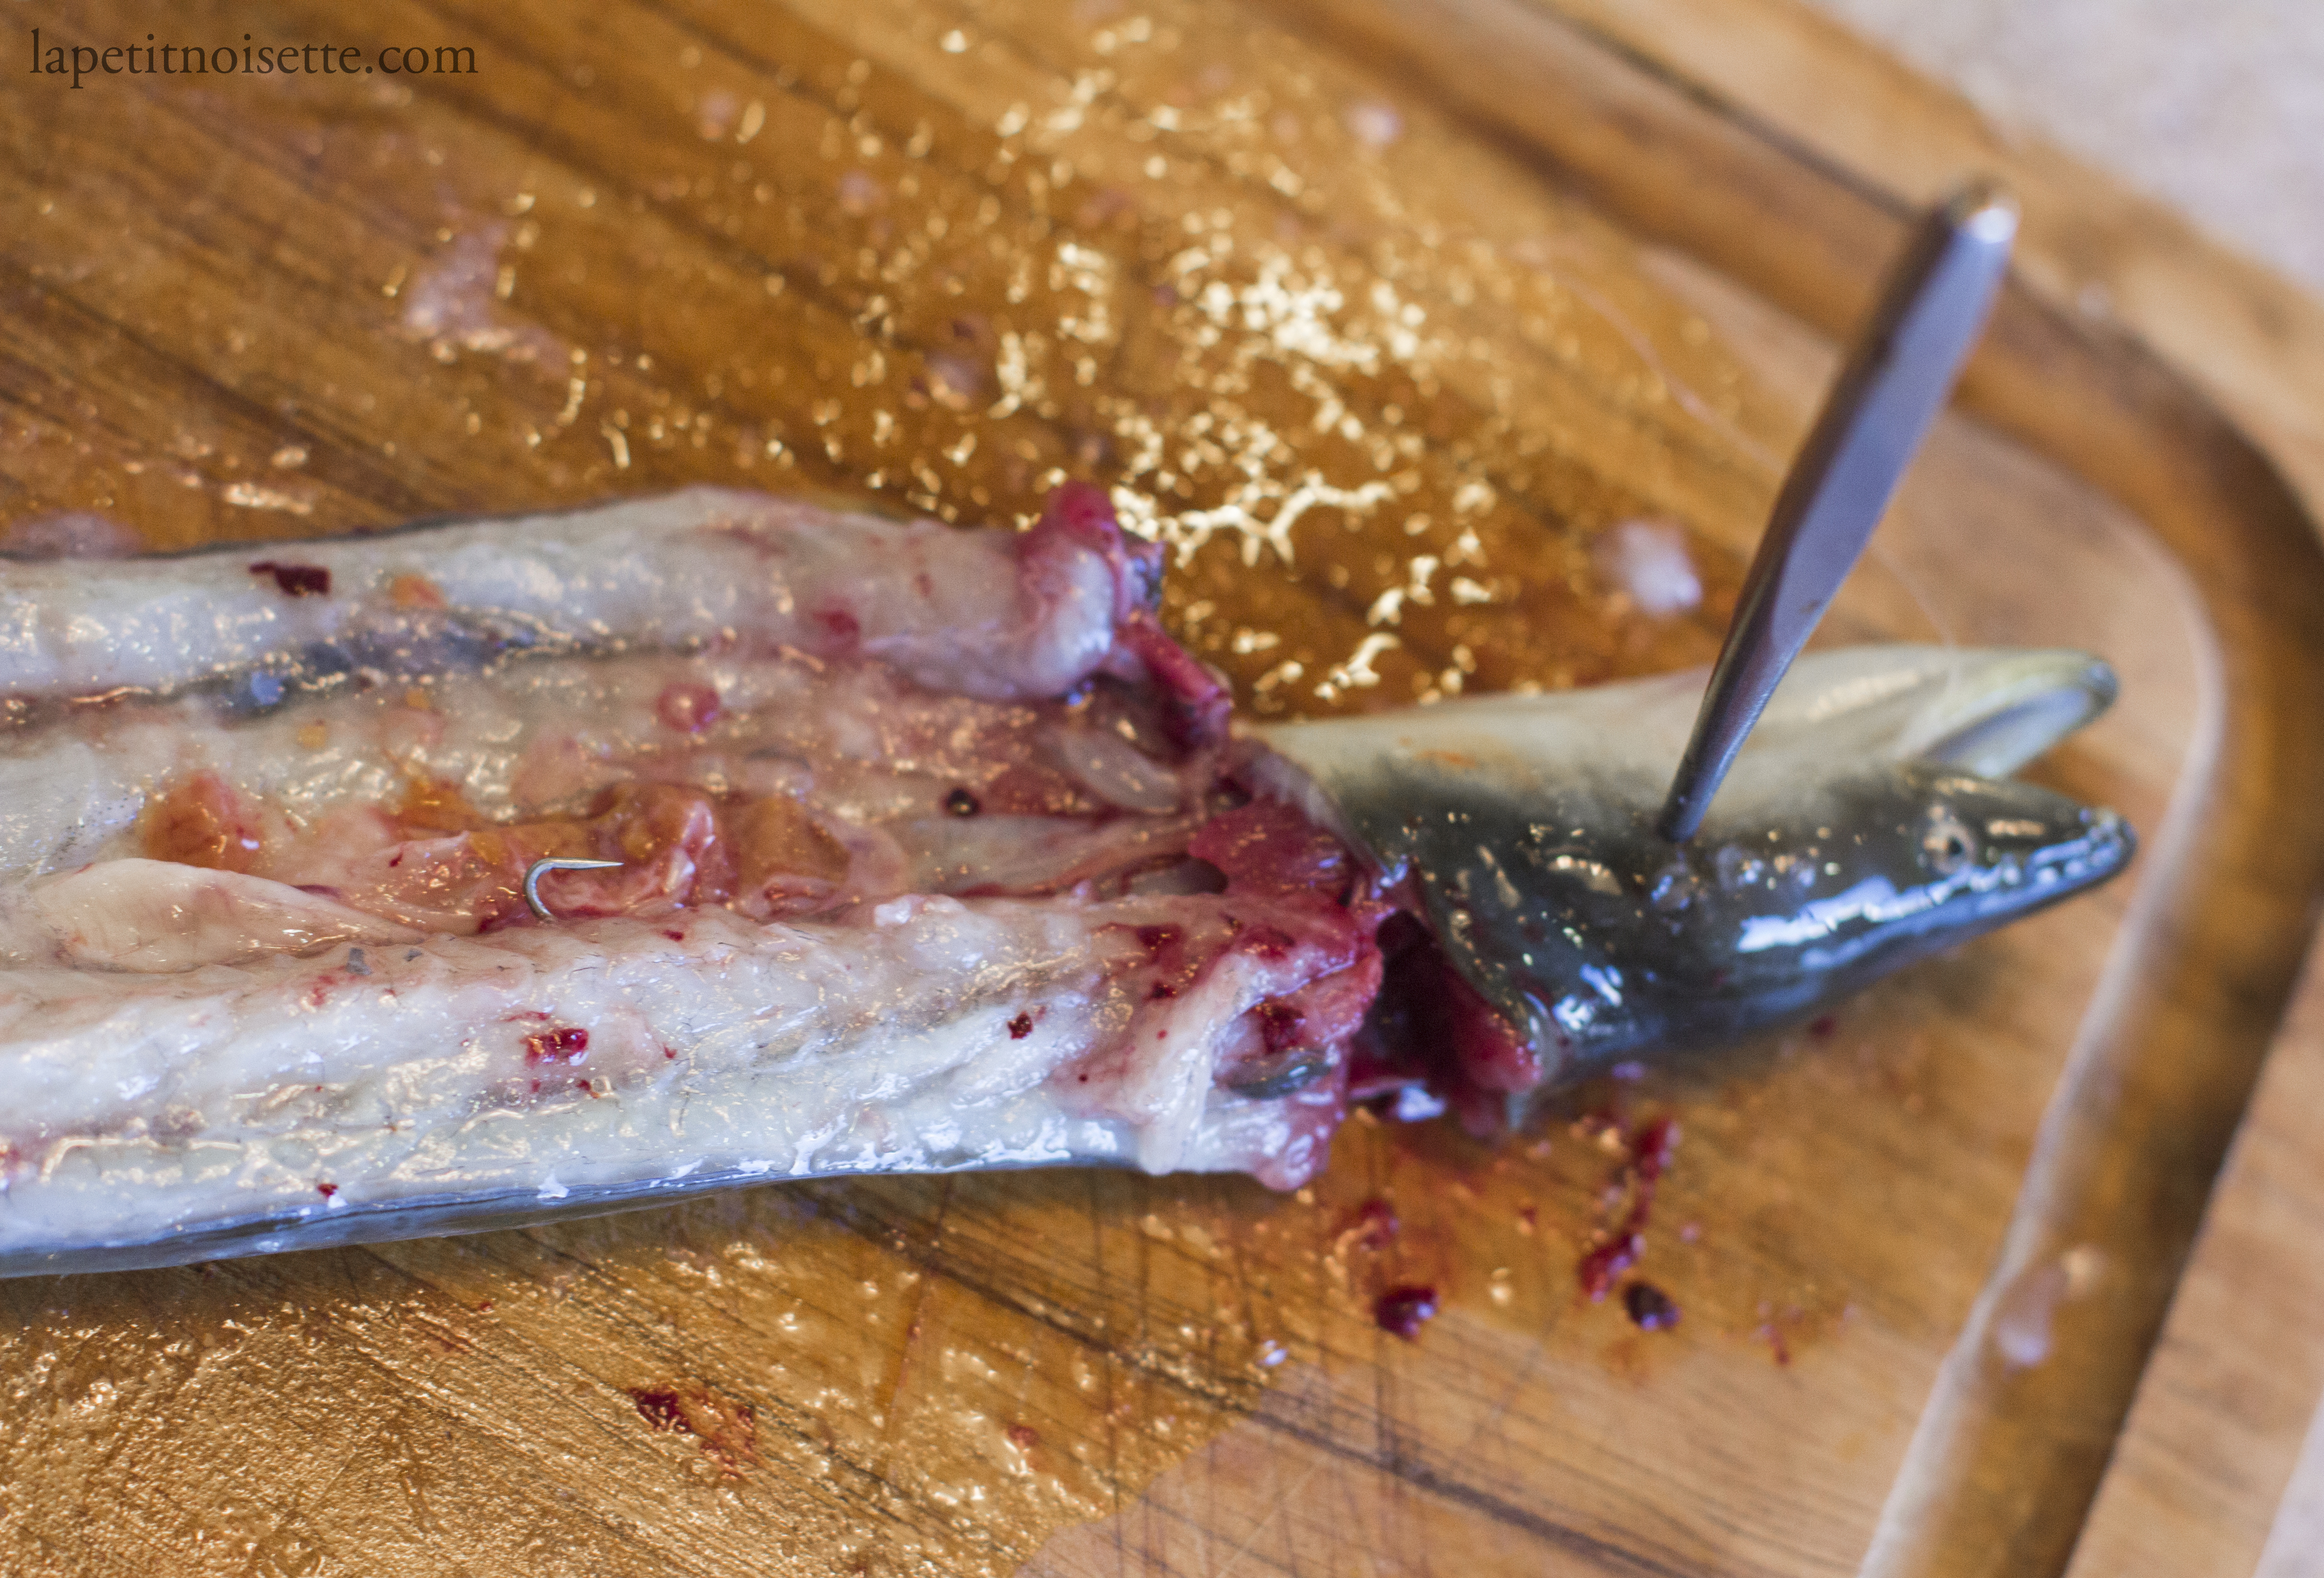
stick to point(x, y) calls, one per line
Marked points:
point(1787, 902)
point(1523, 835)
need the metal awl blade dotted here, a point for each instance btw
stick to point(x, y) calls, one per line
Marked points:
point(1895, 380)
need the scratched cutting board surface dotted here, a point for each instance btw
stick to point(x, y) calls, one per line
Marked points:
point(1388, 386)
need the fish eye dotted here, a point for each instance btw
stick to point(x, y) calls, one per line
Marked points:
point(1947, 844)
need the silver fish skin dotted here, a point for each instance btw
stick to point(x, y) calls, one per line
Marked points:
point(1868, 822)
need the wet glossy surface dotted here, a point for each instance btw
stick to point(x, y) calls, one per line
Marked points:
point(560, 279)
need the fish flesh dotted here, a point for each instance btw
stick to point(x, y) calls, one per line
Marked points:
point(484, 871)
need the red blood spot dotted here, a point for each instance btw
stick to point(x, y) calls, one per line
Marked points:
point(688, 708)
point(1267, 847)
point(661, 1409)
point(1651, 1148)
point(1404, 1310)
point(1024, 1438)
point(1155, 938)
point(296, 580)
point(565, 1044)
point(327, 1190)
point(1822, 1026)
point(1609, 1261)
point(669, 1052)
point(1020, 1026)
point(1648, 1149)
point(1376, 1225)
point(676, 937)
point(726, 1432)
point(1281, 1025)
point(843, 628)
point(1651, 1309)
point(484, 1306)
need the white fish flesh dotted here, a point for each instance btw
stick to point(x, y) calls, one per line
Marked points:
point(924, 849)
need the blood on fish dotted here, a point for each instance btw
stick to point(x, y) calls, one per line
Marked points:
point(1020, 1026)
point(566, 1044)
point(296, 580)
point(1281, 1025)
point(327, 1190)
point(1267, 847)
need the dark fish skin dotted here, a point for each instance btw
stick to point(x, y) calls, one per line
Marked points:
point(1602, 942)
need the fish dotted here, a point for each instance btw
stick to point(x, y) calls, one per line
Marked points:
point(1870, 821)
point(482, 873)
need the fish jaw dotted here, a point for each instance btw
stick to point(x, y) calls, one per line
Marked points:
point(1523, 831)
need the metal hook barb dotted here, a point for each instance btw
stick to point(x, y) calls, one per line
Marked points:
point(541, 868)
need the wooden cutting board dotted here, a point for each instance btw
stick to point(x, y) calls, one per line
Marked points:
point(1325, 291)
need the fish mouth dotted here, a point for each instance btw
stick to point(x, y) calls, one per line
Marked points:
point(1979, 854)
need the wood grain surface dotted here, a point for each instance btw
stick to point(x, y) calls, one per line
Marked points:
point(1323, 291)
point(2196, 1477)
